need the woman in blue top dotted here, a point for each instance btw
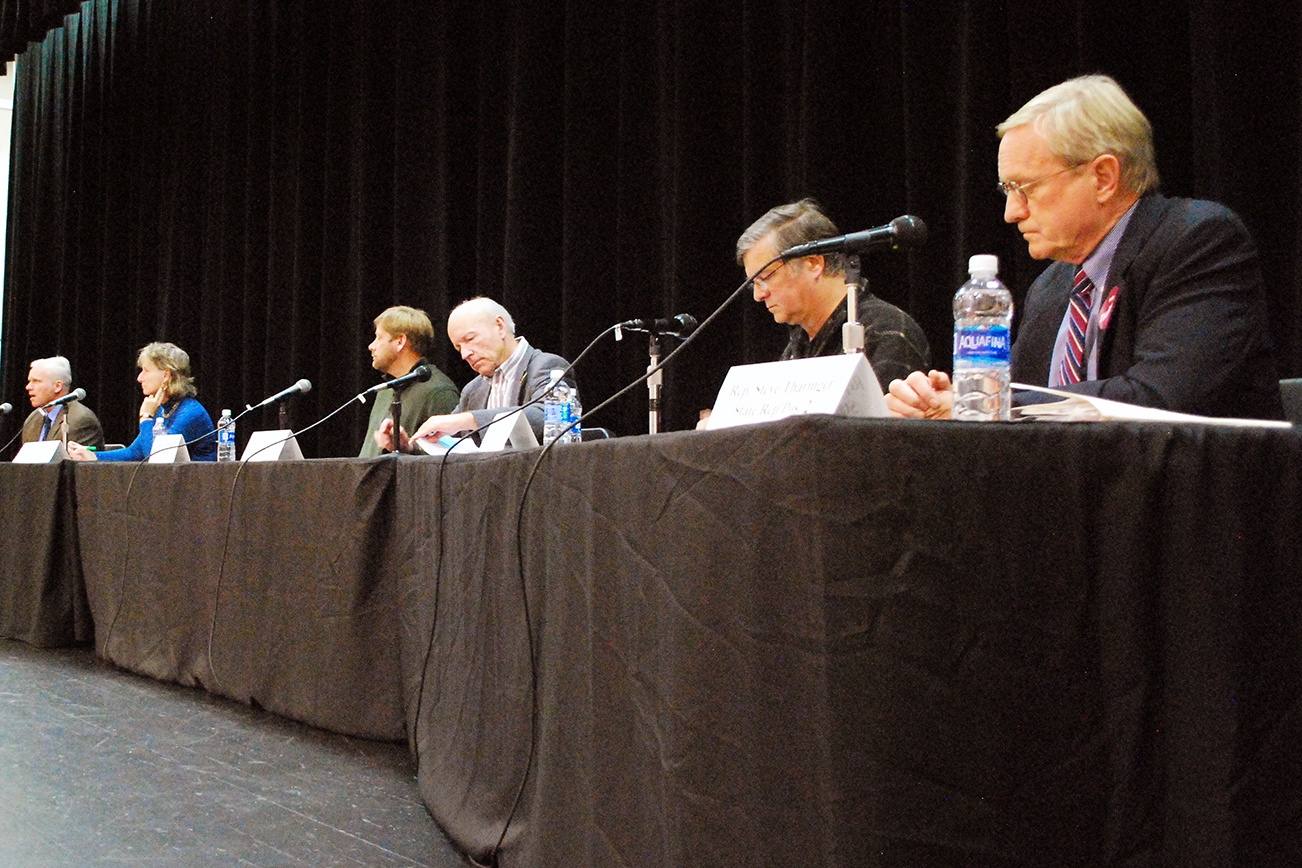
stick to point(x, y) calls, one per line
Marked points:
point(169, 389)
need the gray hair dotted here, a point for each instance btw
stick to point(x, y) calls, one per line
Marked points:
point(58, 368)
point(792, 224)
point(488, 309)
point(1088, 116)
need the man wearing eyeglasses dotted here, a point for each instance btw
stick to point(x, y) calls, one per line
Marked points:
point(1150, 301)
point(808, 294)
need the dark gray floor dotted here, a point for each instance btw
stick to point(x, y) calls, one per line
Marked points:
point(100, 767)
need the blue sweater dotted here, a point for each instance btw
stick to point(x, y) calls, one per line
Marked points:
point(187, 418)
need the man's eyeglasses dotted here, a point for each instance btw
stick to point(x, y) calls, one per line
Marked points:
point(764, 279)
point(1013, 188)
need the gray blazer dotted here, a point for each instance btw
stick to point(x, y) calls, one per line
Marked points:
point(534, 380)
point(83, 425)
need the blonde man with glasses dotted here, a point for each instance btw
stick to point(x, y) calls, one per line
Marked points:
point(1150, 300)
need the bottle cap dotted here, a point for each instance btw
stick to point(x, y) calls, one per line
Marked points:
point(226, 412)
point(983, 265)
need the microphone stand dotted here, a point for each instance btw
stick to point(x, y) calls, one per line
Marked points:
point(852, 337)
point(654, 378)
point(395, 413)
point(282, 418)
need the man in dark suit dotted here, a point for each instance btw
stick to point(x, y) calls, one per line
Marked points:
point(48, 380)
point(1168, 310)
point(511, 373)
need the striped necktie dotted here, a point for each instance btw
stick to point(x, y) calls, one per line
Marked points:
point(45, 429)
point(1072, 369)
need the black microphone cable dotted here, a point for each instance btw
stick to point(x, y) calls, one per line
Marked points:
point(212, 627)
point(519, 541)
point(438, 571)
point(126, 554)
point(16, 433)
point(12, 439)
point(126, 548)
point(230, 502)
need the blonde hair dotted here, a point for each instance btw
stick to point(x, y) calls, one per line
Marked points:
point(1085, 117)
point(410, 322)
point(174, 360)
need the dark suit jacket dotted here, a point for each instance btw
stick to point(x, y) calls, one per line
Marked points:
point(534, 380)
point(83, 425)
point(1188, 328)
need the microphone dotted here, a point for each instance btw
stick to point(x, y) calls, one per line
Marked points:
point(419, 374)
point(679, 326)
point(901, 232)
point(74, 395)
point(6, 408)
point(300, 386)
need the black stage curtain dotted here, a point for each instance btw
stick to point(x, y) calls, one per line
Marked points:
point(22, 21)
point(256, 179)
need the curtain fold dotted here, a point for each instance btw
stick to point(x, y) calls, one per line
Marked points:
point(256, 179)
point(24, 21)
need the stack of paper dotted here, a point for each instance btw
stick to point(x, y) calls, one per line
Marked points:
point(1086, 408)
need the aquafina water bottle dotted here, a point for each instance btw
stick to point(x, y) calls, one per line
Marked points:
point(556, 404)
point(226, 437)
point(983, 321)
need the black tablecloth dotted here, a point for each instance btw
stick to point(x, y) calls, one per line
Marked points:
point(819, 641)
point(844, 642)
point(42, 596)
point(270, 583)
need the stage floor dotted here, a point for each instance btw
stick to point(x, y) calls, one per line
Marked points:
point(101, 767)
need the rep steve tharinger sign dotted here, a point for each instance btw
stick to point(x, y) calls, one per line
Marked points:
point(840, 385)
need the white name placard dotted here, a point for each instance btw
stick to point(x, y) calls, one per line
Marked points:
point(509, 427)
point(279, 445)
point(41, 452)
point(842, 385)
point(169, 449)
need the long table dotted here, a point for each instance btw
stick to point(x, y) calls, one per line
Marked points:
point(270, 584)
point(827, 641)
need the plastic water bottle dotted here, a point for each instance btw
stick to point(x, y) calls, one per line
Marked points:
point(555, 407)
point(160, 425)
point(983, 320)
point(573, 412)
point(226, 437)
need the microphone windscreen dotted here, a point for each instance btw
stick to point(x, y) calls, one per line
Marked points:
point(303, 385)
point(686, 324)
point(423, 373)
point(909, 230)
point(5, 408)
point(79, 394)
